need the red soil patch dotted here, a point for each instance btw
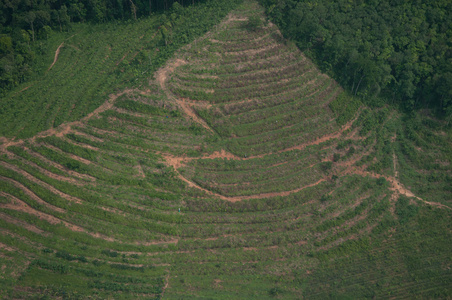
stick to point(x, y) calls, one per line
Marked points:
point(222, 154)
point(162, 74)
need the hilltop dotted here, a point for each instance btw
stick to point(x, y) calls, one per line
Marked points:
point(237, 170)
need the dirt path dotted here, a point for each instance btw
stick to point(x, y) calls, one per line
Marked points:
point(60, 167)
point(41, 183)
point(162, 75)
point(177, 162)
point(167, 277)
point(66, 128)
point(187, 107)
point(20, 223)
point(188, 110)
point(32, 195)
point(46, 172)
point(396, 186)
point(322, 139)
point(57, 52)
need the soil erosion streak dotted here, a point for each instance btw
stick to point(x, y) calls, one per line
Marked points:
point(57, 52)
point(162, 78)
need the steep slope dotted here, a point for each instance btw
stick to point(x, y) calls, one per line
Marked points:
point(241, 171)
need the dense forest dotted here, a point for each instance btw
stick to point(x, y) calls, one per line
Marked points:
point(400, 51)
point(24, 22)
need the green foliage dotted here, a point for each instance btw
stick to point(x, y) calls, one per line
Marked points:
point(107, 211)
point(404, 210)
point(89, 68)
point(110, 253)
point(345, 108)
point(50, 265)
point(254, 23)
point(375, 47)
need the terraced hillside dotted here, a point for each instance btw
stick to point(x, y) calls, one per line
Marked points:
point(241, 171)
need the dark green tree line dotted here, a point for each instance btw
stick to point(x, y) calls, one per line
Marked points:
point(397, 50)
point(22, 22)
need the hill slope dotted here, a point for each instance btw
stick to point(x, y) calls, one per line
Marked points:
point(287, 187)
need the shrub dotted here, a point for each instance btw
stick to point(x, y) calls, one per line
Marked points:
point(254, 23)
point(110, 253)
point(381, 181)
point(336, 157)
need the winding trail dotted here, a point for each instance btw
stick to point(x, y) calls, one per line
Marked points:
point(57, 52)
point(187, 107)
point(396, 186)
point(177, 162)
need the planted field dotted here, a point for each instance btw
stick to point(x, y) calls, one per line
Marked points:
point(238, 171)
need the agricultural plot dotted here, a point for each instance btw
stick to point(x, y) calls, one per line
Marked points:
point(238, 171)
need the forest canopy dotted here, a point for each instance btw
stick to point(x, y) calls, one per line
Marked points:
point(396, 50)
point(23, 22)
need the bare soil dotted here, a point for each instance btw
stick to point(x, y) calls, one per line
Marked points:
point(57, 52)
point(32, 195)
point(189, 111)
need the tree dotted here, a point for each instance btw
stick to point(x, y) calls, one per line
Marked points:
point(30, 17)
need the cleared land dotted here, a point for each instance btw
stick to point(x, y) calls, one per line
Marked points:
point(287, 188)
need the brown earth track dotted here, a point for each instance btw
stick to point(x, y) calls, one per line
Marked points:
point(130, 113)
point(396, 186)
point(177, 162)
point(122, 58)
point(172, 241)
point(19, 205)
point(7, 248)
point(57, 52)
point(59, 167)
point(32, 195)
point(162, 77)
point(165, 287)
point(87, 136)
point(44, 171)
point(322, 139)
point(73, 156)
point(251, 52)
point(41, 183)
point(20, 223)
point(339, 241)
point(83, 145)
point(188, 110)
